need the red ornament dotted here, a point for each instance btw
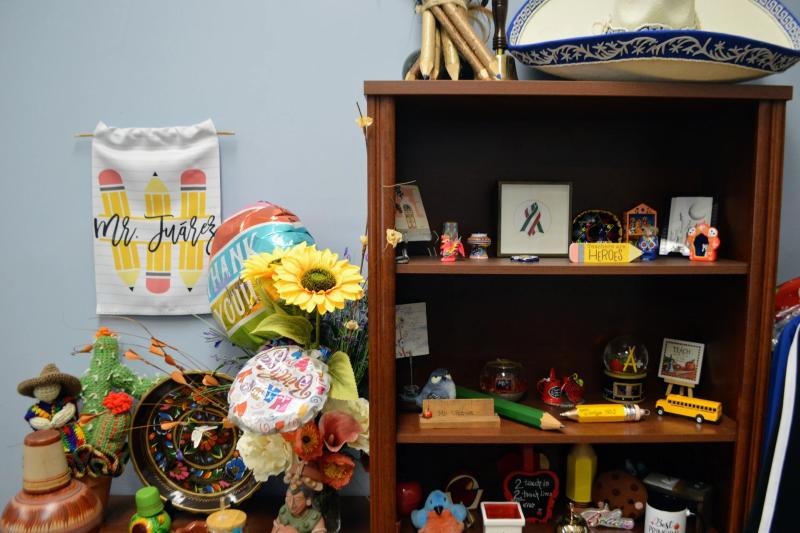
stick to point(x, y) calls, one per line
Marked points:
point(409, 497)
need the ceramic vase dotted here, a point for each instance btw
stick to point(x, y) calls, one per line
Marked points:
point(50, 501)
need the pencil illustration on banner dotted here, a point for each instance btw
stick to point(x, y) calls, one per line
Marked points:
point(159, 261)
point(115, 205)
point(193, 205)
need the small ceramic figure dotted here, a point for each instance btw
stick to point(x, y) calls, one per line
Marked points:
point(451, 248)
point(571, 391)
point(648, 243)
point(298, 514)
point(440, 386)
point(703, 241)
point(150, 515)
point(479, 243)
point(440, 515)
point(55, 408)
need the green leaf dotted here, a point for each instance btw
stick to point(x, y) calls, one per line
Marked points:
point(292, 327)
point(343, 381)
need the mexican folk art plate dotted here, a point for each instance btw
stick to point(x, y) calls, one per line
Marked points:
point(180, 446)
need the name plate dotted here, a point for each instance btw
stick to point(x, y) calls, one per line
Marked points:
point(458, 414)
point(608, 253)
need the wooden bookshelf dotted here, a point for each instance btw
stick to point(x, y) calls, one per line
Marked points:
point(561, 266)
point(618, 144)
point(653, 430)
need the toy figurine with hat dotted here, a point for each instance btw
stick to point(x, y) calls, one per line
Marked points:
point(55, 408)
point(299, 514)
point(668, 40)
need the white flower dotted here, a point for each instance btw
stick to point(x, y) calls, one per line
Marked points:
point(265, 455)
point(393, 237)
point(358, 409)
point(363, 240)
point(352, 325)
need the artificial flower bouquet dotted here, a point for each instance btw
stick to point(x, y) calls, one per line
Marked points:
point(296, 401)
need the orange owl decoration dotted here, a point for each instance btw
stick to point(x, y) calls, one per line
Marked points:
point(703, 242)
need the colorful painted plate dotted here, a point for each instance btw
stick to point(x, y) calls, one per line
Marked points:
point(596, 225)
point(737, 40)
point(164, 455)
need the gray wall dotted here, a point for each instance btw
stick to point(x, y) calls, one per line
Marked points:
point(284, 75)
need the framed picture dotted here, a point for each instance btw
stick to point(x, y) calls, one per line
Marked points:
point(534, 218)
point(685, 212)
point(409, 214)
point(681, 362)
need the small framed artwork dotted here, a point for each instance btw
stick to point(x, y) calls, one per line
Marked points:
point(638, 221)
point(681, 362)
point(534, 218)
point(409, 216)
point(685, 212)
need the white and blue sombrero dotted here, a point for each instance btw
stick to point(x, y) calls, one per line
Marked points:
point(679, 40)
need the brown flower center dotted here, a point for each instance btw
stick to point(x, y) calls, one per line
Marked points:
point(318, 279)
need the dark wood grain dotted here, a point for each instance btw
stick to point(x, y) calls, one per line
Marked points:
point(381, 312)
point(586, 89)
point(550, 266)
point(499, 15)
point(260, 514)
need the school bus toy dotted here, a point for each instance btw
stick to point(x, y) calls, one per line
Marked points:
point(697, 408)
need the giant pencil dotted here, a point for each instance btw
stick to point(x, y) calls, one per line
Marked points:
point(524, 414)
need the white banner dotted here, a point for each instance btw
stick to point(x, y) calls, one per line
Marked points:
point(156, 205)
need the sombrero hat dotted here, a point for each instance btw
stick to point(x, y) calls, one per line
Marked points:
point(51, 374)
point(676, 40)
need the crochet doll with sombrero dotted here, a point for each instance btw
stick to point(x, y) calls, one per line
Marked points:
point(55, 408)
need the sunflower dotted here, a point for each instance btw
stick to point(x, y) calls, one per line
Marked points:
point(259, 269)
point(313, 279)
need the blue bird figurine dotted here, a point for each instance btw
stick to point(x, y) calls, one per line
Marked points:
point(440, 386)
point(440, 515)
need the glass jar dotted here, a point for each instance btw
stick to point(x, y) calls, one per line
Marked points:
point(504, 378)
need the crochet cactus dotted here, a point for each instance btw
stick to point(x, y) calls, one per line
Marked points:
point(106, 373)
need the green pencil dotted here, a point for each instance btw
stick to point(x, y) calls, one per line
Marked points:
point(524, 414)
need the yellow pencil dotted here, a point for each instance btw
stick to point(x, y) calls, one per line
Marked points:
point(159, 261)
point(115, 202)
point(193, 204)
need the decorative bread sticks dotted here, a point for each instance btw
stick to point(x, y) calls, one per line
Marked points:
point(481, 71)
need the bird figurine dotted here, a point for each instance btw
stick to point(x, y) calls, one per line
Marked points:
point(440, 386)
point(439, 515)
point(451, 247)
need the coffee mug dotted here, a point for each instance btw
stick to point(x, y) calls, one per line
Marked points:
point(660, 521)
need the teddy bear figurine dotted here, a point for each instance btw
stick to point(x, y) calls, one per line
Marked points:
point(55, 408)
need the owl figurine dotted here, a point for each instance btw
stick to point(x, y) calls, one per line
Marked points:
point(440, 386)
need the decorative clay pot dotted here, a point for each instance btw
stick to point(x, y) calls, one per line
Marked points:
point(50, 501)
point(101, 486)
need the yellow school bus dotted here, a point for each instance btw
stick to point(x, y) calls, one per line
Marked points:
point(697, 408)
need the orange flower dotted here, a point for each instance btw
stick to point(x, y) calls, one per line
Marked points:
point(306, 441)
point(118, 402)
point(337, 469)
